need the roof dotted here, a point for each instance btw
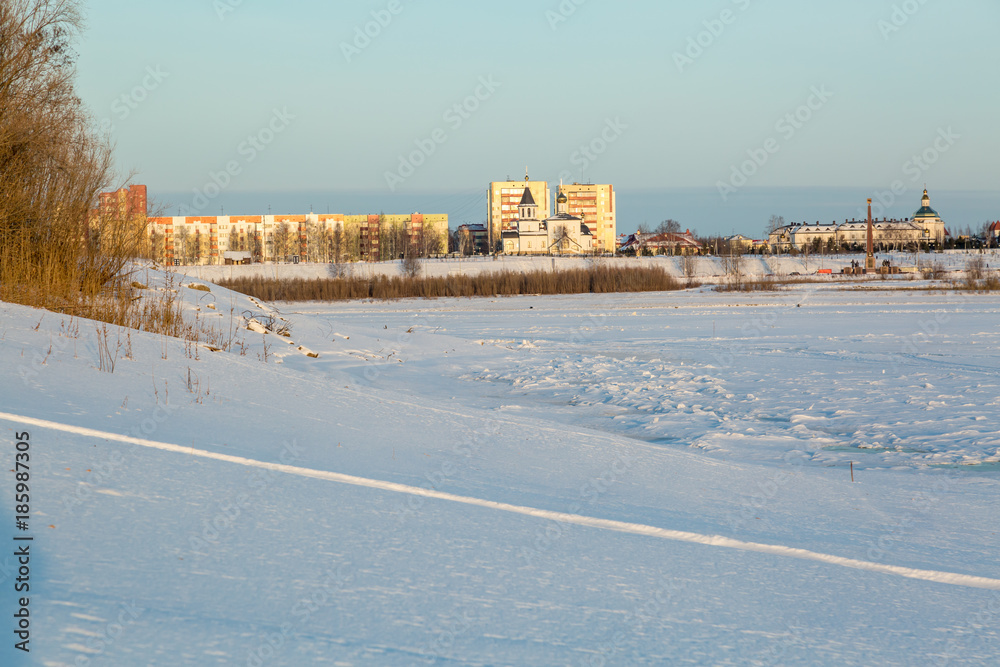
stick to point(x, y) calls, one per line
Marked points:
point(823, 227)
point(879, 224)
point(527, 199)
point(663, 240)
point(925, 211)
point(564, 217)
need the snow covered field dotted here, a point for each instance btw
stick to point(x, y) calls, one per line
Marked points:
point(577, 480)
point(703, 267)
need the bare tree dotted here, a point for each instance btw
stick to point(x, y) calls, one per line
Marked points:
point(411, 266)
point(463, 241)
point(156, 245)
point(182, 240)
point(561, 240)
point(669, 227)
point(315, 237)
point(337, 244)
point(975, 268)
point(776, 222)
point(55, 246)
point(690, 267)
point(256, 243)
point(282, 241)
point(733, 264)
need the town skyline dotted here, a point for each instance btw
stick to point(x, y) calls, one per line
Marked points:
point(696, 208)
point(738, 101)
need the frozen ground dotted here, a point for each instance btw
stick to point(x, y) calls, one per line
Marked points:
point(584, 480)
point(701, 267)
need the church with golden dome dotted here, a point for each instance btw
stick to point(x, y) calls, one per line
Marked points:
point(929, 221)
point(560, 234)
point(924, 229)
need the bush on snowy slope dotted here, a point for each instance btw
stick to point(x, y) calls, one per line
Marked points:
point(56, 250)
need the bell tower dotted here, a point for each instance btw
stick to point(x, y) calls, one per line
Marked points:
point(527, 209)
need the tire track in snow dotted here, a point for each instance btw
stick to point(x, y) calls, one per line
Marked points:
point(950, 578)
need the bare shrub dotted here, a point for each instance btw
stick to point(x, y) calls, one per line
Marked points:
point(932, 271)
point(733, 266)
point(975, 268)
point(339, 270)
point(411, 267)
point(593, 280)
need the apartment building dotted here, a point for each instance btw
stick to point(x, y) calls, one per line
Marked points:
point(597, 206)
point(503, 200)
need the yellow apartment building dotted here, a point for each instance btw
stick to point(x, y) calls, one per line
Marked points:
point(503, 199)
point(597, 205)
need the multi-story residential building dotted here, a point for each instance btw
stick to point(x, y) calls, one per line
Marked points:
point(124, 209)
point(597, 206)
point(130, 202)
point(503, 199)
point(295, 238)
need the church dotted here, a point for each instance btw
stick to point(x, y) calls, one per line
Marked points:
point(929, 221)
point(924, 228)
point(562, 234)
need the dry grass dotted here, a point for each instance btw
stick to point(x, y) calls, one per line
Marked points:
point(593, 280)
point(774, 284)
point(763, 285)
point(986, 283)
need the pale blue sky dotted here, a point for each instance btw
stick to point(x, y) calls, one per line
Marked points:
point(222, 77)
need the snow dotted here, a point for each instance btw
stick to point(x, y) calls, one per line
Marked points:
point(595, 479)
point(703, 267)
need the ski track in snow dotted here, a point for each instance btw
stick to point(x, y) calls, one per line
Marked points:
point(935, 576)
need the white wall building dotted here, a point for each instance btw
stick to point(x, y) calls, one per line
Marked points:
point(561, 234)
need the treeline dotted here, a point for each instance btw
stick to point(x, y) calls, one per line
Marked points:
point(593, 280)
point(55, 250)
